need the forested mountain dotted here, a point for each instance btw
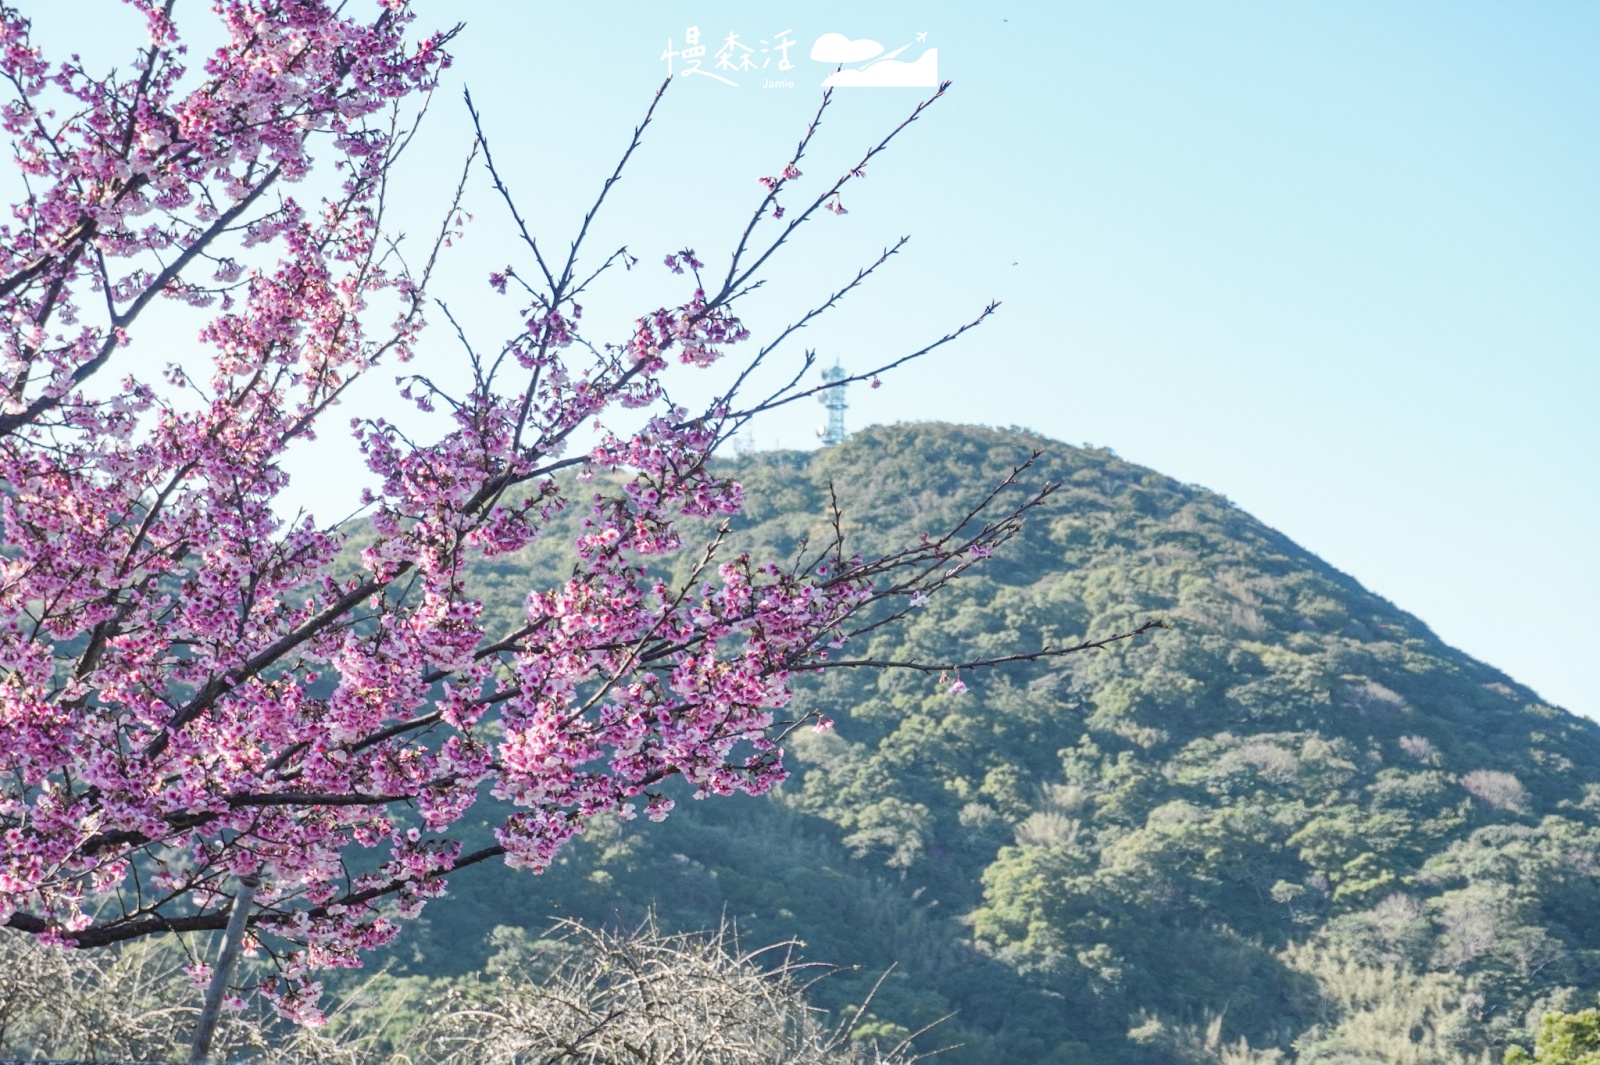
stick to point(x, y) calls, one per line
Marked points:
point(1292, 825)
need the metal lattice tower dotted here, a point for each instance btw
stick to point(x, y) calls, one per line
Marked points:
point(833, 399)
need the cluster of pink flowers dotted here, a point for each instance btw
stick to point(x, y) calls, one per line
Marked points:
point(189, 689)
point(159, 631)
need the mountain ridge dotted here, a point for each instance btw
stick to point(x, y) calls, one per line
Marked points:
point(1209, 844)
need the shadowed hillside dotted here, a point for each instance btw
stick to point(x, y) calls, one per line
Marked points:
point(1294, 824)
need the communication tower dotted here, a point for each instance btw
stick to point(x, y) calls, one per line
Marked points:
point(833, 399)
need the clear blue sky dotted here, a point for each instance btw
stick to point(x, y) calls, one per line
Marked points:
point(1339, 262)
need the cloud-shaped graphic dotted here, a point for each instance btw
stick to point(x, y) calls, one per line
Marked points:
point(837, 48)
point(892, 74)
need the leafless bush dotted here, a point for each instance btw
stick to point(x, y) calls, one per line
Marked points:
point(1266, 760)
point(598, 997)
point(133, 1003)
point(1503, 791)
point(1419, 748)
point(583, 997)
point(1047, 828)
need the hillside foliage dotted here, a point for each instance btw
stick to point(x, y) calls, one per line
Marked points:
point(1293, 826)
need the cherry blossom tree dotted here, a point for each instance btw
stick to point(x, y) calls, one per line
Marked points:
point(190, 691)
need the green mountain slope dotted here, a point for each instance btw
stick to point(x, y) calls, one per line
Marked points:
point(1293, 825)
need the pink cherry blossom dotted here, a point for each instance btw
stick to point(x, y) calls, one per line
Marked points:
point(195, 688)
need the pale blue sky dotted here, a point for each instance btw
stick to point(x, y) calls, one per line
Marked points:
point(1339, 262)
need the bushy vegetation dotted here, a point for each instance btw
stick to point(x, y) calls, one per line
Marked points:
point(1294, 826)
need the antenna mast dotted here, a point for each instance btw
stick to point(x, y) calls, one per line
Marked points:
point(833, 399)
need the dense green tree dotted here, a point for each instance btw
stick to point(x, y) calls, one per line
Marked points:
point(1564, 1039)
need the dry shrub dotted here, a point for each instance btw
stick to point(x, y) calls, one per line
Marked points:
point(132, 1003)
point(644, 997)
point(1503, 791)
point(585, 996)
